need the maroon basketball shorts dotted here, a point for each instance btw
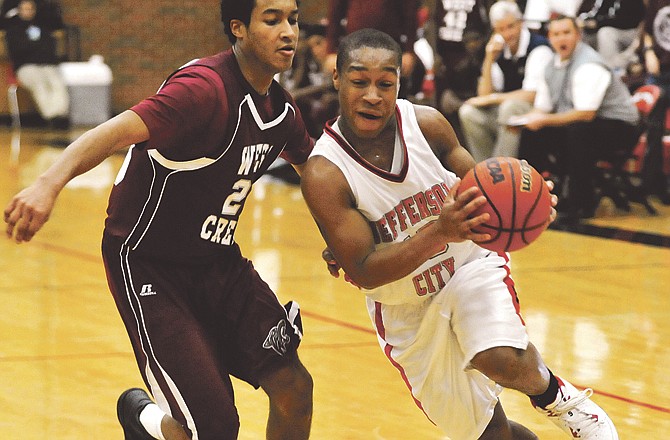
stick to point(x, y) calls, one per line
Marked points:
point(193, 324)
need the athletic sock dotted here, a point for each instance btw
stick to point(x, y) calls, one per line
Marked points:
point(549, 396)
point(150, 418)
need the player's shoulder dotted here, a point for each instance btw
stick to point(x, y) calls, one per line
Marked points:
point(319, 175)
point(197, 71)
point(430, 119)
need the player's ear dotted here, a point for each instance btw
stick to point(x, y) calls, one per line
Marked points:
point(336, 79)
point(237, 28)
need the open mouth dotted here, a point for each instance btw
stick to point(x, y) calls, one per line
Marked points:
point(287, 50)
point(369, 116)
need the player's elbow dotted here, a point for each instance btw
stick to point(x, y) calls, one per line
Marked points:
point(366, 280)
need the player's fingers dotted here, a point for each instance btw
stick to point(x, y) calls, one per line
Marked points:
point(473, 205)
point(22, 228)
point(30, 222)
point(13, 218)
point(552, 215)
point(454, 189)
point(480, 238)
point(466, 196)
point(331, 262)
point(34, 225)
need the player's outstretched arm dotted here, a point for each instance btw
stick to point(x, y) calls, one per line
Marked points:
point(30, 209)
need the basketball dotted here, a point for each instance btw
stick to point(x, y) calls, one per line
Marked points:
point(519, 202)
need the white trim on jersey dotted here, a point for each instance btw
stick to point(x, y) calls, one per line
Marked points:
point(257, 117)
point(179, 165)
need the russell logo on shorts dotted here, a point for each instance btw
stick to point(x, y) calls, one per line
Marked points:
point(278, 338)
point(147, 290)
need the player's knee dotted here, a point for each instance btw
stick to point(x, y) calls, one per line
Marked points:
point(220, 426)
point(290, 390)
point(500, 364)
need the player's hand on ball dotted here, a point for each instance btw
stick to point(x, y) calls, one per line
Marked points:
point(455, 221)
point(554, 201)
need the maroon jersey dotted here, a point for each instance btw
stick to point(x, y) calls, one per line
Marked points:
point(179, 195)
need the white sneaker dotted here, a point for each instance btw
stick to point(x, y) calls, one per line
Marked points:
point(575, 413)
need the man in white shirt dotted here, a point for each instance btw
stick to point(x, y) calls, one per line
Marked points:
point(582, 113)
point(513, 66)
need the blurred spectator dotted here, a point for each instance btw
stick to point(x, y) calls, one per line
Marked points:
point(582, 113)
point(398, 18)
point(458, 35)
point(32, 50)
point(615, 29)
point(656, 48)
point(513, 66)
point(309, 83)
point(49, 13)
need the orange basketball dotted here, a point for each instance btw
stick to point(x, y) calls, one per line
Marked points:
point(519, 202)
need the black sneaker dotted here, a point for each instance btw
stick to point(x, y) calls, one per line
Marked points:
point(128, 409)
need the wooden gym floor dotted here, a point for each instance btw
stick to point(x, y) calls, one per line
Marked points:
point(597, 308)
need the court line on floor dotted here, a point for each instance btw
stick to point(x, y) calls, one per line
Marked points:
point(351, 326)
point(627, 235)
point(68, 251)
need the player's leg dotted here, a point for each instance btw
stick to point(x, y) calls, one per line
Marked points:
point(264, 351)
point(290, 393)
point(501, 428)
point(419, 342)
point(142, 419)
point(174, 351)
point(491, 329)
point(517, 369)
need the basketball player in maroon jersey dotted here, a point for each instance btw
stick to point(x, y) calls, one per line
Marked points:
point(445, 310)
point(195, 309)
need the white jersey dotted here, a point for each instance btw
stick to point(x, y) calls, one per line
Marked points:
point(401, 202)
point(431, 323)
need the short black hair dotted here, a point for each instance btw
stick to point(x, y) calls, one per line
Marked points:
point(237, 10)
point(366, 38)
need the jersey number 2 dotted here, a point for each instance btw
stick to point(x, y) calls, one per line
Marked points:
point(234, 201)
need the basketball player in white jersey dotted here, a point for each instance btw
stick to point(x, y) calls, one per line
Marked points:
point(379, 184)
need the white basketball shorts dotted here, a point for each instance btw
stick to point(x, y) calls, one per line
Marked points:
point(432, 343)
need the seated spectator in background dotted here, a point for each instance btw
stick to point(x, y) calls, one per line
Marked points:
point(458, 35)
point(582, 113)
point(656, 40)
point(32, 50)
point(615, 29)
point(308, 81)
point(513, 66)
point(398, 18)
point(49, 13)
